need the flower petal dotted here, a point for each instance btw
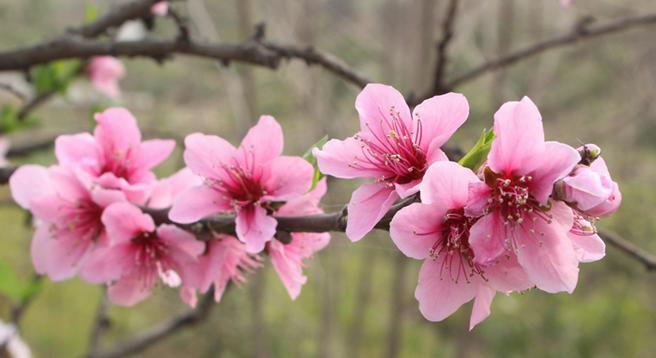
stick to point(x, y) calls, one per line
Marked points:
point(262, 143)
point(369, 203)
point(345, 159)
point(447, 183)
point(518, 146)
point(289, 266)
point(254, 227)
point(152, 152)
point(124, 221)
point(130, 290)
point(59, 257)
point(108, 263)
point(181, 240)
point(437, 118)
point(487, 238)
point(117, 131)
point(379, 106)
point(558, 161)
point(416, 228)
point(506, 275)
point(287, 177)
point(589, 248)
point(438, 296)
point(79, 150)
point(30, 182)
point(206, 154)
point(482, 303)
point(196, 203)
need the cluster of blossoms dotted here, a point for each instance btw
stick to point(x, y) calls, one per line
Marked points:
point(92, 218)
point(524, 219)
point(522, 216)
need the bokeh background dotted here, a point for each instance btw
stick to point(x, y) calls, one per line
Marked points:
point(359, 299)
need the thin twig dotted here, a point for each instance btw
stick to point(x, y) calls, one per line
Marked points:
point(100, 323)
point(443, 46)
point(161, 331)
point(629, 248)
point(13, 91)
point(579, 33)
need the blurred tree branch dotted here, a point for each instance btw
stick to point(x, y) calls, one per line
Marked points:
point(443, 46)
point(580, 32)
point(629, 248)
point(161, 331)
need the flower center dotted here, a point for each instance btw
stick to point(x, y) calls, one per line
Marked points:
point(151, 259)
point(83, 218)
point(453, 245)
point(397, 152)
point(512, 198)
point(240, 187)
point(117, 163)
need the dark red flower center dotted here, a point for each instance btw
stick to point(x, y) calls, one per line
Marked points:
point(396, 152)
point(240, 187)
point(83, 218)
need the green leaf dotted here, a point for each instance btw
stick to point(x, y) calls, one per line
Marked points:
point(9, 121)
point(478, 154)
point(55, 76)
point(90, 11)
point(12, 286)
point(313, 160)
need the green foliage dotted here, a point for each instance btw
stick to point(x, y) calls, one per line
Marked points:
point(477, 155)
point(313, 160)
point(55, 76)
point(90, 11)
point(10, 120)
point(14, 287)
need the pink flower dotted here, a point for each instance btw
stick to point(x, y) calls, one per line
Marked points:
point(591, 190)
point(565, 3)
point(437, 231)
point(140, 255)
point(160, 8)
point(4, 148)
point(243, 180)
point(115, 157)
point(104, 73)
point(587, 244)
point(392, 147)
point(287, 259)
point(224, 260)
point(518, 216)
point(168, 189)
point(68, 215)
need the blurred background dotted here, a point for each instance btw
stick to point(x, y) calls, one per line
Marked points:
point(359, 299)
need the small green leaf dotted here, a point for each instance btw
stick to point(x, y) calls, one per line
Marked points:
point(11, 285)
point(55, 76)
point(313, 160)
point(478, 154)
point(90, 11)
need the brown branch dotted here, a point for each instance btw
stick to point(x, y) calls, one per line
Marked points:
point(161, 331)
point(443, 46)
point(5, 174)
point(100, 323)
point(627, 247)
point(580, 32)
point(13, 91)
point(128, 11)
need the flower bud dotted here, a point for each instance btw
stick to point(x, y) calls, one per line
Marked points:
point(590, 189)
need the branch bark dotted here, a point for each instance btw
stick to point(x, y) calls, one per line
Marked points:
point(580, 32)
point(161, 331)
point(443, 46)
point(629, 248)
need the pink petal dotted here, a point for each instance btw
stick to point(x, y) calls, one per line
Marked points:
point(130, 290)
point(30, 182)
point(124, 221)
point(447, 183)
point(487, 238)
point(58, 257)
point(558, 161)
point(369, 203)
point(589, 248)
point(417, 227)
point(160, 8)
point(482, 303)
point(288, 266)
point(50, 208)
point(306, 204)
point(181, 240)
point(407, 189)
point(308, 243)
point(547, 255)
point(438, 295)
point(254, 227)
point(79, 150)
point(435, 154)
point(206, 155)
point(519, 144)
point(153, 152)
point(262, 143)
point(378, 105)
point(287, 177)
point(108, 263)
point(167, 190)
point(196, 203)
point(586, 189)
point(345, 159)
point(479, 193)
point(188, 296)
point(506, 275)
point(117, 131)
point(437, 118)
point(106, 197)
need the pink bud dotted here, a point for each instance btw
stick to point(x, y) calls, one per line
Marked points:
point(160, 9)
point(592, 190)
point(104, 73)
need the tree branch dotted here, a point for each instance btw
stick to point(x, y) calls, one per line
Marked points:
point(627, 247)
point(128, 11)
point(161, 331)
point(443, 46)
point(580, 32)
